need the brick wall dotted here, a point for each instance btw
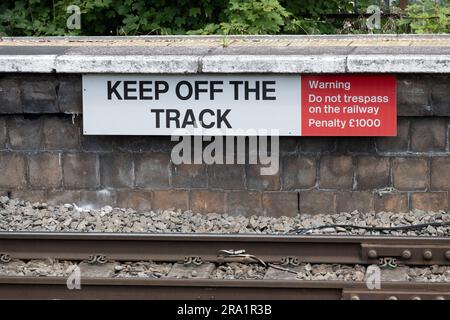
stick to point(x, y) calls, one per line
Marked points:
point(44, 157)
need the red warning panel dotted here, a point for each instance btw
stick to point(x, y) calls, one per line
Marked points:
point(348, 105)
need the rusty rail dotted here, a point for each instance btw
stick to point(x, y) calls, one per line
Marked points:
point(270, 248)
point(117, 288)
point(176, 247)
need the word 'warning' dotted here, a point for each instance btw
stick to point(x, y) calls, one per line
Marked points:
point(349, 105)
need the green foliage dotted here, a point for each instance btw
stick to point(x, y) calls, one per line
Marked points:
point(427, 16)
point(108, 17)
point(255, 17)
point(250, 17)
point(143, 17)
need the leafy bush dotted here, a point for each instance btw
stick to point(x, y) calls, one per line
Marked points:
point(108, 17)
point(142, 17)
point(427, 16)
point(250, 17)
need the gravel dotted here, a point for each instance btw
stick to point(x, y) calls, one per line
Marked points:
point(18, 215)
point(434, 273)
point(142, 270)
point(35, 268)
point(309, 271)
point(239, 271)
point(226, 271)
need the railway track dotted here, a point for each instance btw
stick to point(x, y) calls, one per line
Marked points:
point(273, 250)
point(208, 289)
point(207, 247)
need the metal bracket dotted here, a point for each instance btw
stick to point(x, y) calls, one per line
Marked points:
point(387, 262)
point(407, 254)
point(97, 258)
point(361, 294)
point(290, 261)
point(5, 258)
point(193, 260)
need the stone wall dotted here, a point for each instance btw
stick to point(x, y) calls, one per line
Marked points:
point(45, 157)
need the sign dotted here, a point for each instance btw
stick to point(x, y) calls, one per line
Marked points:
point(286, 105)
point(349, 105)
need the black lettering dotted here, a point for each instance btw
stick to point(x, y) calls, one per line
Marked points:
point(202, 114)
point(198, 89)
point(223, 118)
point(160, 87)
point(178, 87)
point(113, 89)
point(247, 90)
point(265, 90)
point(189, 119)
point(236, 85)
point(157, 114)
point(213, 90)
point(175, 118)
point(143, 89)
point(127, 90)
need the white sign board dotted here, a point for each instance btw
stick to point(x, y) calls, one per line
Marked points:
point(314, 105)
point(191, 104)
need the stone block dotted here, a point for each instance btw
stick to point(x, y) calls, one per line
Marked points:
point(244, 203)
point(170, 199)
point(372, 173)
point(279, 204)
point(25, 133)
point(45, 170)
point(391, 202)
point(336, 172)
point(299, 172)
point(317, 202)
point(12, 168)
point(81, 171)
point(410, 173)
point(206, 201)
point(430, 201)
point(117, 170)
point(152, 170)
point(428, 134)
point(139, 200)
point(60, 133)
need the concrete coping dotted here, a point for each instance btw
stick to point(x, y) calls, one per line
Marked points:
point(228, 54)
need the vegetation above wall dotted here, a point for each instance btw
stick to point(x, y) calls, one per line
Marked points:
point(163, 17)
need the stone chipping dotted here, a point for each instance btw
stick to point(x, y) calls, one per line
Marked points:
point(226, 271)
point(19, 215)
point(239, 271)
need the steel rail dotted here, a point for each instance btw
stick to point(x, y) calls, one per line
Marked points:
point(270, 248)
point(129, 288)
